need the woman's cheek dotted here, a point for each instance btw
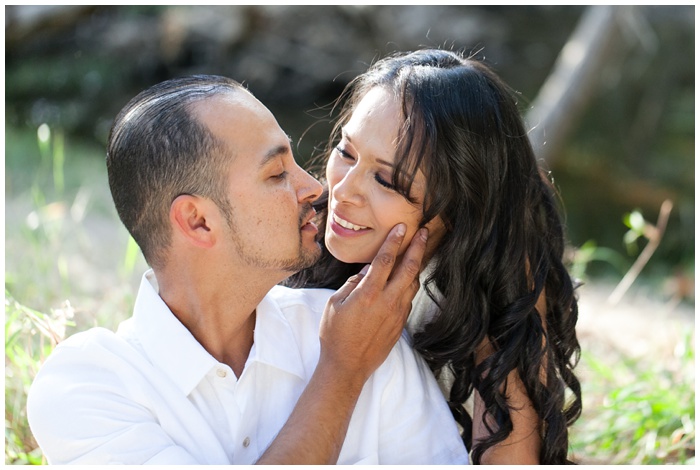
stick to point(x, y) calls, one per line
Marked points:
point(348, 253)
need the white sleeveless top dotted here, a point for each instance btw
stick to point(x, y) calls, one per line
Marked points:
point(423, 311)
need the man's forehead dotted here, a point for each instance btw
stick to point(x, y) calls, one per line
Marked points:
point(243, 123)
point(234, 102)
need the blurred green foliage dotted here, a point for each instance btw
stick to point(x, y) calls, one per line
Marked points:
point(645, 413)
point(633, 147)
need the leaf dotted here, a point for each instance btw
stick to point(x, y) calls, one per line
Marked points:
point(635, 221)
point(630, 237)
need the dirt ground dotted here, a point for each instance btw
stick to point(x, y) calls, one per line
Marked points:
point(639, 326)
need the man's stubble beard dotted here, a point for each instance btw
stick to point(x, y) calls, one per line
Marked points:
point(305, 259)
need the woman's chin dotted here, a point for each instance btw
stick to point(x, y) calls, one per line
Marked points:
point(345, 257)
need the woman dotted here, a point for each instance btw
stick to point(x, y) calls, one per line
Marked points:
point(433, 139)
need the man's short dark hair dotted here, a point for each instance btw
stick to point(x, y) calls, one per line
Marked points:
point(157, 151)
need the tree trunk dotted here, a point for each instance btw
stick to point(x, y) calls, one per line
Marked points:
point(573, 82)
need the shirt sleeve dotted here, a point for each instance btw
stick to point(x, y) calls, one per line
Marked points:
point(81, 410)
point(416, 425)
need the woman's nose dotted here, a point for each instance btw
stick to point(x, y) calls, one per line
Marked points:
point(349, 187)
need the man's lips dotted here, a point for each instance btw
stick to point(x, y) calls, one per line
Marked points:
point(306, 222)
point(308, 218)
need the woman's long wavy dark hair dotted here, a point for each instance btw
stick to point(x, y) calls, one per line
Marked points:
point(502, 249)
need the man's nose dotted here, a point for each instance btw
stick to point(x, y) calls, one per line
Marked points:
point(309, 188)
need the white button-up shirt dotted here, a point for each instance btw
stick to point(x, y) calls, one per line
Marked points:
point(152, 394)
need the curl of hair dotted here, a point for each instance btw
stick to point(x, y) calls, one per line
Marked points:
point(503, 248)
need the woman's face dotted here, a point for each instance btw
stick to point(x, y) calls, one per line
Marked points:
point(363, 205)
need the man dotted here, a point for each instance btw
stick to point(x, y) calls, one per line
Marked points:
point(218, 364)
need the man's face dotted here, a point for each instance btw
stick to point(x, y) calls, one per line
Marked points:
point(269, 194)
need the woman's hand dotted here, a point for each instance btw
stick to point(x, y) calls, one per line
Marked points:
point(360, 325)
point(365, 317)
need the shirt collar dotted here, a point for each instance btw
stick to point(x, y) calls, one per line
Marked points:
point(275, 342)
point(171, 347)
point(167, 343)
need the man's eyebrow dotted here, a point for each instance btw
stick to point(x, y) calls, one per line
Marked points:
point(274, 153)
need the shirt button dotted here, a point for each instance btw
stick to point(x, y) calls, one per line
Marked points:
point(221, 373)
point(246, 442)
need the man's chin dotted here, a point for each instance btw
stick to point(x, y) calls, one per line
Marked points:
point(310, 257)
point(307, 258)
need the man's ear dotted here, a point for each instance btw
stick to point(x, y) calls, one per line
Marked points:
point(193, 218)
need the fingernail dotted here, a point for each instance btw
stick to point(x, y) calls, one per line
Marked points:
point(365, 269)
point(424, 234)
point(401, 230)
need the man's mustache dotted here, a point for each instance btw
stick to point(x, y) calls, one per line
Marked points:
point(308, 208)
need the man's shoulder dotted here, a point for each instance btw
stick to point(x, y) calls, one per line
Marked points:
point(403, 365)
point(83, 361)
point(82, 353)
point(93, 338)
point(309, 299)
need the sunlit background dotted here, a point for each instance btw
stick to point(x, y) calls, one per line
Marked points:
point(609, 93)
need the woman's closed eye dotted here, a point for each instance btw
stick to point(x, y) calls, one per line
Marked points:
point(378, 178)
point(344, 154)
point(383, 181)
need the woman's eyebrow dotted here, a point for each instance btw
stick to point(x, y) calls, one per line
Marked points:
point(386, 163)
point(378, 160)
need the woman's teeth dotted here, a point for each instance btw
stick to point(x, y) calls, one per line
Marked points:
point(346, 224)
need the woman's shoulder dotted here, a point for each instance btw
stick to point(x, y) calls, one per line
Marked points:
point(423, 307)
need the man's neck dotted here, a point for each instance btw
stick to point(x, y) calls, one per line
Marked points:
point(220, 315)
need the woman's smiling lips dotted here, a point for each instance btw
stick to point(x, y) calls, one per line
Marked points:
point(345, 228)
